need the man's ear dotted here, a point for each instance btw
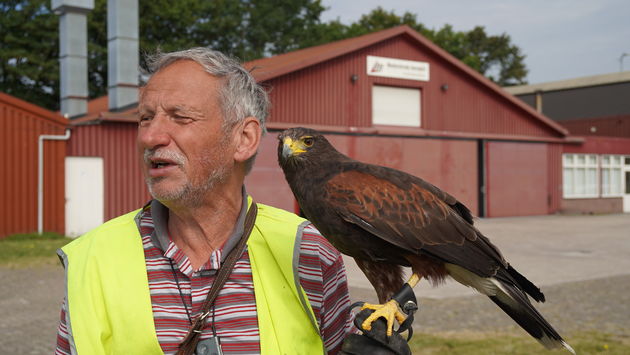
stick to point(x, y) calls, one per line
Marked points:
point(247, 137)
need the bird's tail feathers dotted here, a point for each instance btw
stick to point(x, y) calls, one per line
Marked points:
point(516, 305)
point(526, 285)
point(513, 302)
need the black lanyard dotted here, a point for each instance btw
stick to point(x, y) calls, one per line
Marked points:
point(189, 343)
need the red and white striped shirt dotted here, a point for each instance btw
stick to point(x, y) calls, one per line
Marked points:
point(234, 318)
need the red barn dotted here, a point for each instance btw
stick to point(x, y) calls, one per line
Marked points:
point(394, 98)
point(32, 199)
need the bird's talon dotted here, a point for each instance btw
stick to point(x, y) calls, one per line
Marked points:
point(389, 311)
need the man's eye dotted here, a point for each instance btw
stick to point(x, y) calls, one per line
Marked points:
point(182, 118)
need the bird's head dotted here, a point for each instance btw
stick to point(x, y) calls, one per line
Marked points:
point(299, 144)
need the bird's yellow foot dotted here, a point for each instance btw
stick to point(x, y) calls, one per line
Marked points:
point(389, 311)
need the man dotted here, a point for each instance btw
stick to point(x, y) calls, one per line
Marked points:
point(136, 284)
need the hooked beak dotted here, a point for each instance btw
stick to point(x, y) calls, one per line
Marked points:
point(290, 148)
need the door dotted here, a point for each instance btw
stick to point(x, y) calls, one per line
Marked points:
point(626, 184)
point(84, 194)
point(516, 179)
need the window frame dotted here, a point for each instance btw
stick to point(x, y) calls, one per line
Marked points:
point(611, 167)
point(421, 109)
point(576, 166)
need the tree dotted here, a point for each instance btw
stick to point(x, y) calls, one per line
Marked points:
point(493, 56)
point(247, 29)
point(29, 66)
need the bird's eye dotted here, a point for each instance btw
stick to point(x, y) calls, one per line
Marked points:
point(308, 141)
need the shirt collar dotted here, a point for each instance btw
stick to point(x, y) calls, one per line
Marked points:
point(160, 237)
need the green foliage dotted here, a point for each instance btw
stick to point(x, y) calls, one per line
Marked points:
point(26, 250)
point(493, 56)
point(29, 67)
point(251, 29)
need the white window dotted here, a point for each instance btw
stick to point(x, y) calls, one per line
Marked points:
point(579, 175)
point(611, 175)
point(395, 106)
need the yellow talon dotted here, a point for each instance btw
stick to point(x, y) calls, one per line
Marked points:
point(389, 311)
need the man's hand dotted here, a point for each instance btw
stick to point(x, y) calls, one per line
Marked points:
point(374, 341)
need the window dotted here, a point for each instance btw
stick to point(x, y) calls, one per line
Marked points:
point(395, 106)
point(611, 175)
point(579, 175)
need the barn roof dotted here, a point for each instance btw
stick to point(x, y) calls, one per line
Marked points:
point(34, 109)
point(270, 68)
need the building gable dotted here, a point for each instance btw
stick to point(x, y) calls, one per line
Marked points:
point(329, 85)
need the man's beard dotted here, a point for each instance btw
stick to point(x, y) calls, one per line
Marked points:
point(193, 191)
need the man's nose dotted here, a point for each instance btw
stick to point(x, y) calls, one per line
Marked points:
point(154, 133)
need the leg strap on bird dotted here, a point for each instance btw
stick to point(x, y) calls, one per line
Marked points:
point(409, 305)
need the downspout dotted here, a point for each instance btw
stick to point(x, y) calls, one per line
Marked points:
point(40, 175)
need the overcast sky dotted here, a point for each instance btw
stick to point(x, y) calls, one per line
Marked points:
point(562, 39)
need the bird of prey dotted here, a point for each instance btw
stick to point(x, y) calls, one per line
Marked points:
point(386, 219)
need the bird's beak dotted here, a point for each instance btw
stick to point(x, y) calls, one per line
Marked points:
point(291, 147)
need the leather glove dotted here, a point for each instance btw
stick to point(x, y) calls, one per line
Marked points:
point(375, 341)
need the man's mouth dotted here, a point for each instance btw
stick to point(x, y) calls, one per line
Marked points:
point(160, 164)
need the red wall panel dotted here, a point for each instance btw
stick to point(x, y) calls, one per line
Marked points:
point(599, 145)
point(517, 179)
point(21, 124)
point(615, 126)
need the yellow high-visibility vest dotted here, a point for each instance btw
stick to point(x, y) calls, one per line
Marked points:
point(109, 302)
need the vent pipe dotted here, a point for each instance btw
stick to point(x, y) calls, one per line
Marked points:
point(123, 53)
point(73, 54)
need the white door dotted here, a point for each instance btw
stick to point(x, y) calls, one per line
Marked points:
point(626, 185)
point(84, 194)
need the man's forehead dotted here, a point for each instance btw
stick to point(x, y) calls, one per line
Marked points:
point(179, 82)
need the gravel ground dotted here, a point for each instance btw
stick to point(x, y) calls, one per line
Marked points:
point(30, 301)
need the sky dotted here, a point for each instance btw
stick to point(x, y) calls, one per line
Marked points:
point(562, 39)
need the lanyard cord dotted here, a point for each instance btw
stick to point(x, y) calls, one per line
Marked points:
point(179, 289)
point(181, 295)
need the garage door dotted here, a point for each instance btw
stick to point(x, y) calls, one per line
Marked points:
point(517, 179)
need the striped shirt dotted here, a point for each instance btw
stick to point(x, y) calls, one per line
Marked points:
point(178, 291)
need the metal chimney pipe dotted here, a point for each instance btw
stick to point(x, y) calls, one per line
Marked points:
point(73, 54)
point(123, 53)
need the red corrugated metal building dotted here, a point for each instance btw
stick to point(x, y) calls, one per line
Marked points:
point(490, 150)
point(596, 173)
point(471, 138)
point(21, 125)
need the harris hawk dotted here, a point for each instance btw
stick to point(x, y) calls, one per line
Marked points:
point(387, 219)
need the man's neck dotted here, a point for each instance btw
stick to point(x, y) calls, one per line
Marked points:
point(199, 230)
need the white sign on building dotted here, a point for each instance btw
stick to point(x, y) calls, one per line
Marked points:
point(397, 68)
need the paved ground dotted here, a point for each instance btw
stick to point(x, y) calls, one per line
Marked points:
point(582, 264)
point(548, 250)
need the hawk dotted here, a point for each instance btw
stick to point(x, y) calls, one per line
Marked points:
point(387, 219)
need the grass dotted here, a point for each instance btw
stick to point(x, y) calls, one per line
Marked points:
point(482, 344)
point(28, 250)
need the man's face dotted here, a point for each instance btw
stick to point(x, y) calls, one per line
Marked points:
point(180, 137)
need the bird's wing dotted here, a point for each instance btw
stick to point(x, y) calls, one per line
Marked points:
point(411, 214)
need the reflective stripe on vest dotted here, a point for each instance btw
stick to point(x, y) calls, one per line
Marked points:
point(109, 302)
